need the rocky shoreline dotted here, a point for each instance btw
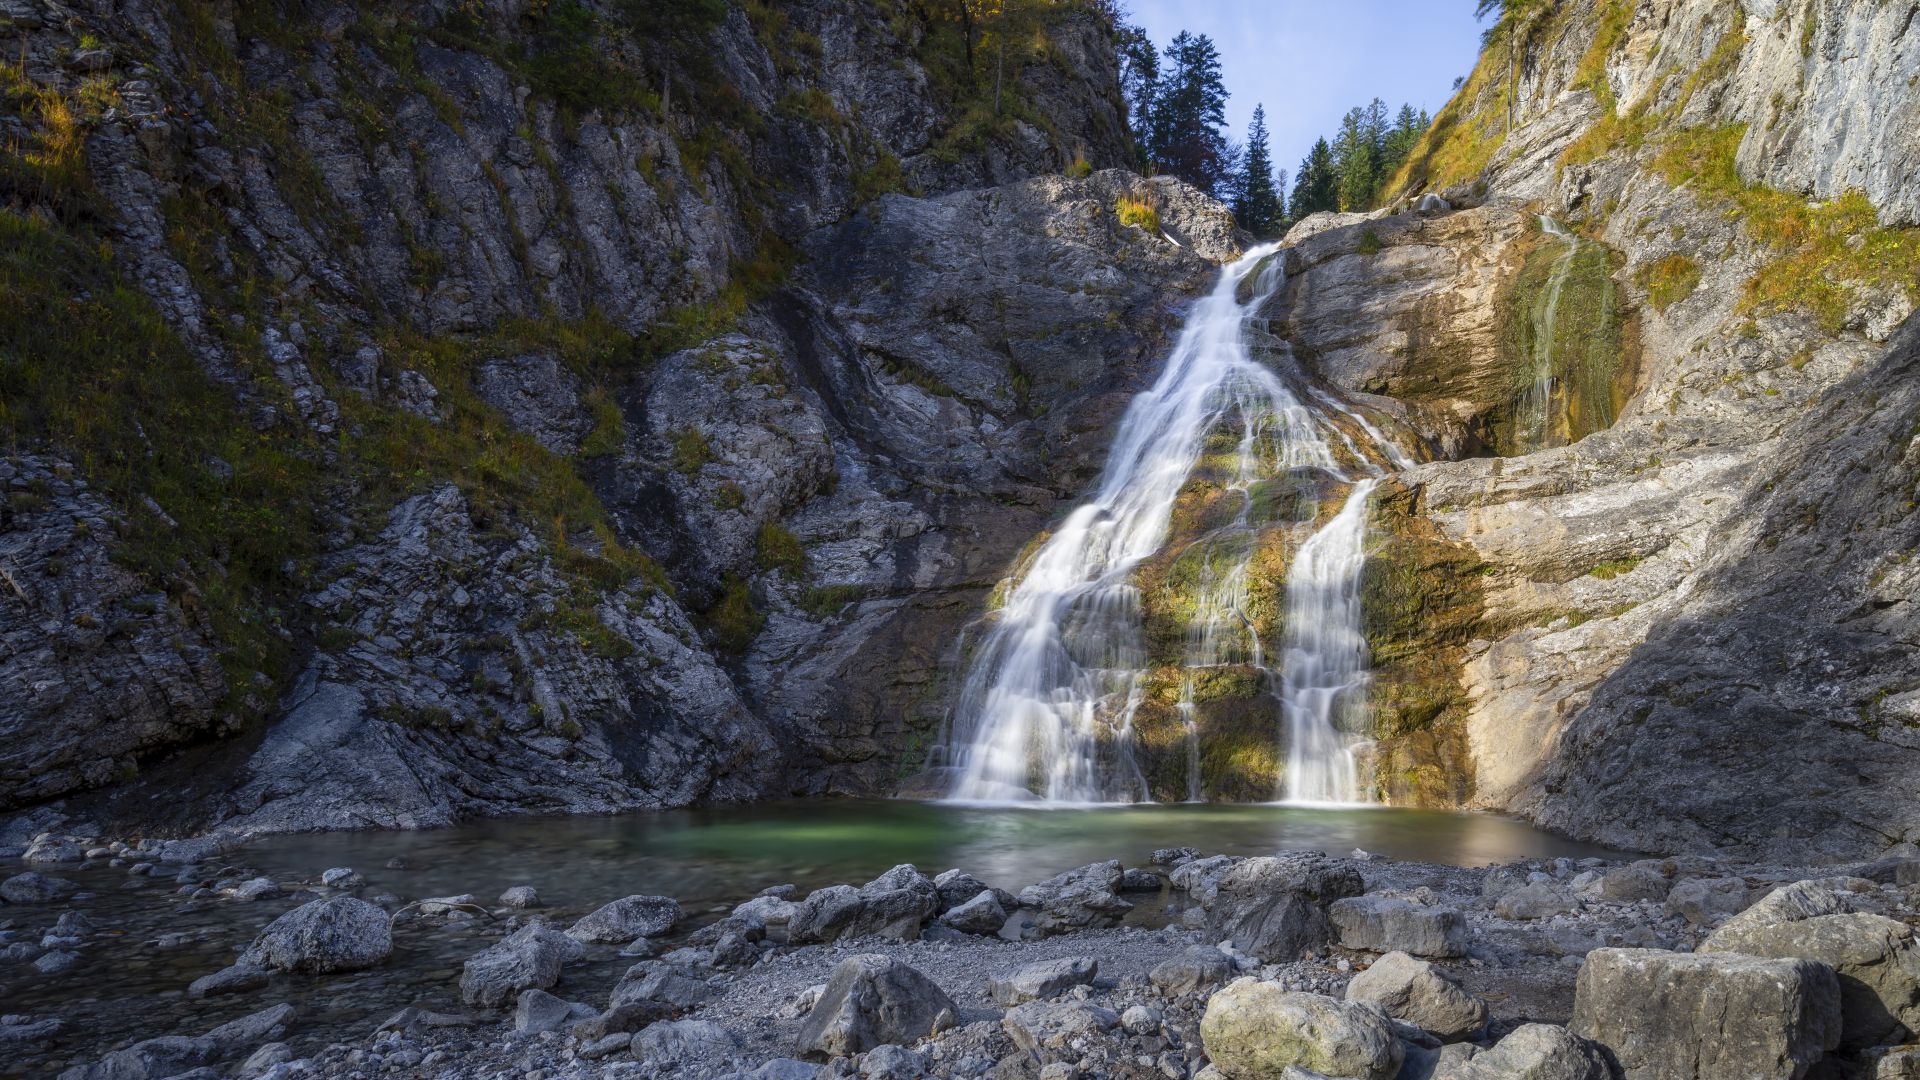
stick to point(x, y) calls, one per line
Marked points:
point(1296, 965)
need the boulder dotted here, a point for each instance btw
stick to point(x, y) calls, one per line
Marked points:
point(1045, 979)
point(1134, 879)
point(871, 1000)
point(1255, 1030)
point(1081, 899)
point(179, 1055)
point(1200, 878)
point(892, 1062)
point(1706, 1015)
point(957, 887)
point(1536, 900)
point(1875, 958)
point(1198, 967)
point(671, 1042)
point(1706, 901)
point(338, 933)
point(529, 958)
point(768, 910)
point(1645, 880)
point(1056, 1025)
point(659, 986)
point(1379, 924)
point(32, 888)
point(520, 896)
point(537, 1011)
point(1275, 907)
point(1421, 994)
point(980, 915)
point(1531, 1052)
point(627, 918)
point(229, 980)
point(893, 905)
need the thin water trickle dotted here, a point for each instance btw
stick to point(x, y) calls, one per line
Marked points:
point(1534, 427)
point(1048, 703)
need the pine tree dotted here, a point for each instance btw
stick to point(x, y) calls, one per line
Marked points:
point(1258, 208)
point(1407, 129)
point(1316, 186)
point(1139, 78)
point(1189, 109)
point(1354, 162)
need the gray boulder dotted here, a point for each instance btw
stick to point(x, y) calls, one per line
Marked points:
point(1081, 899)
point(1198, 967)
point(178, 1055)
point(957, 887)
point(1645, 880)
point(529, 958)
point(536, 1011)
point(1537, 900)
point(871, 1000)
point(1421, 994)
point(1045, 979)
point(1260, 1029)
point(1665, 1014)
point(893, 905)
point(981, 915)
point(1379, 924)
point(1054, 1025)
point(1875, 958)
point(520, 896)
point(659, 986)
point(673, 1042)
point(1531, 1052)
point(1200, 878)
point(1706, 901)
point(338, 933)
point(1275, 907)
point(33, 888)
point(627, 918)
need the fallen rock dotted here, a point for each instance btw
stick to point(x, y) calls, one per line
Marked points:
point(627, 918)
point(1274, 908)
point(1379, 924)
point(1198, 967)
point(659, 986)
point(872, 1000)
point(1876, 959)
point(981, 915)
point(1260, 1029)
point(1053, 1025)
point(1537, 900)
point(32, 888)
point(1421, 994)
point(673, 1041)
point(1706, 901)
point(1137, 880)
point(1045, 979)
point(1141, 1020)
point(1665, 1014)
point(893, 905)
point(1531, 1052)
point(892, 1062)
point(957, 887)
point(530, 958)
point(1081, 899)
point(337, 933)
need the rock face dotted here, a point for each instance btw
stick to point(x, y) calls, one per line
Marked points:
point(1256, 1029)
point(1664, 1014)
point(1275, 908)
point(338, 933)
point(870, 1001)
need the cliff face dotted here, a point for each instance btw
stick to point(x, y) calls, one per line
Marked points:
point(1698, 628)
point(430, 409)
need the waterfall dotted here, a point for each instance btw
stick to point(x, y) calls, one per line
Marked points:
point(1052, 686)
point(1534, 413)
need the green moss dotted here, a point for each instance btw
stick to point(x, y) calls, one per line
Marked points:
point(1369, 242)
point(733, 622)
point(776, 548)
point(826, 601)
point(1565, 346)
point(1669, 280)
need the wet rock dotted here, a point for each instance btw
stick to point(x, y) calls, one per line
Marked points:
point(1531, 1052)
point(255, 889)
point(265, 1058)
point(1173, 856)
point(230, 980)
point(672, 1042)
point(1380, 924)
point(872, 1000)
point(338, 933)
point(55, 961)
point(1054, 1025)
point(177, 1055)
point(1645, 880)
point(18, 1031)
point(1045, 979)
point(1196, 968)
point(1665, 1014)
point(1275, 908)
point(980, 915)
point(1134, 879)
point(536, 1011)
point(1706, 901)
point(1537, 900)
point(528, 959)
point(627, 918)
point(33, 888)
point(1421, 994)
point(1260, 1029)
point(1078, 899)
point(342, 877)
point(1876, 958)
point(520, 896)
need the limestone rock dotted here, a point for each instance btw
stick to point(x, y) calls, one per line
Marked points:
point(670, 1042)
point(872, 1000)
point(1258, 1029)
point(337, 933)
point(1056, 1025)
point(1275, 907)
point(529, 958)
point(980, 915)
point(1421, 994)
point(1538, 900)
point(1044, 979)
point(627, 918)
point(1380, 924)
point(894, 905)
point(1532, 1052)
point(1665, 1014)
point(520, 896)
point(1198, 967)
point(1635, 881)
point(1080, 899)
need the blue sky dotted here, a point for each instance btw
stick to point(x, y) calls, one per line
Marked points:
point(1310, 61)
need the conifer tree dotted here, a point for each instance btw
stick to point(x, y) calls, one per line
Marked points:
point(1316, 186)
point(1258, 207)
point(1189, 108)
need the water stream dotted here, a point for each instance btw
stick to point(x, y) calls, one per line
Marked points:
point(1542, 401)
point(1053, 685)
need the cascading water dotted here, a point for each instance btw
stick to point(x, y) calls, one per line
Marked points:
point(1534, 413)
point(1047, 707)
